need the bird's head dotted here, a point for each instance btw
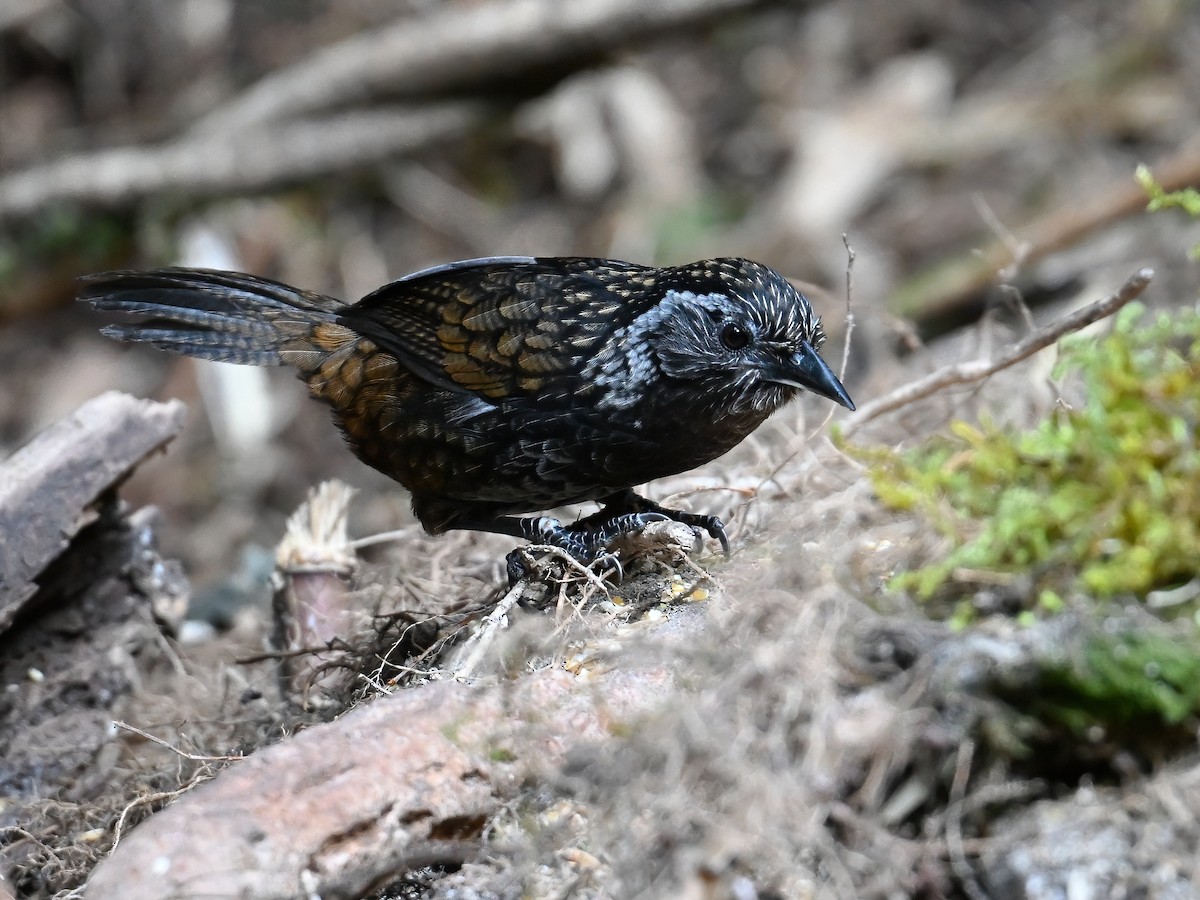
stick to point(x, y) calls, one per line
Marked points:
point(740, 333)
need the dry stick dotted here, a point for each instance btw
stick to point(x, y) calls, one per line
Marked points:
point(453, 48)
point(145, 800)
point(571, 562)
point(477, 645)
point(979, 369)
point(384, 537)
point(284, 654)
point(850, 257)
point(247, 160)
point(194, 757)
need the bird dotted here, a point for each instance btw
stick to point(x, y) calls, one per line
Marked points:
point(494, 389)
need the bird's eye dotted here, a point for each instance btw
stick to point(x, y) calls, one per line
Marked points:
point(734, 337)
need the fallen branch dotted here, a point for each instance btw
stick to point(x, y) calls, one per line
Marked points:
point(243, 160)
point(453, 48)
point(979, 369)
point(248, 146)
point(340, 807)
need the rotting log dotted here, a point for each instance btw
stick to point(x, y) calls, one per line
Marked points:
point(50, 487)
point(400, 783)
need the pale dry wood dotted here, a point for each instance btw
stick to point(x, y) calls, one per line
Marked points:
point(255, 160)
point(258, 140)
point(456, 47)
point(348, 805)
point(313, 602)
point(47, 488)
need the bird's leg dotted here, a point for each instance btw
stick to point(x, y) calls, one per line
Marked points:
point(620, 505)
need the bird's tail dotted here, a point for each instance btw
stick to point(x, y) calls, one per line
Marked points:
point(223, 316)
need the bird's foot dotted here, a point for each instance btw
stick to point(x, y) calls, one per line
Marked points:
point(586, 545)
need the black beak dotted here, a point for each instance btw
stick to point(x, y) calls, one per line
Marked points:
point(805, 369)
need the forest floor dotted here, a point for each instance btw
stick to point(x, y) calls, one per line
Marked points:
point(781, 723)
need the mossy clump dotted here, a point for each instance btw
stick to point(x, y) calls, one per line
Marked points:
point(1187, 199)
point(1103, 500)
point(1125, 679)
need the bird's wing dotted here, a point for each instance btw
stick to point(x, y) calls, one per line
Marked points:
point(504, 327)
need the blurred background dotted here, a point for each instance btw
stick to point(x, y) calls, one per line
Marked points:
point(339, 145)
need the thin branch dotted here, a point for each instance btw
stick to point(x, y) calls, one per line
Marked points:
point(570, 562)
point(145, 800)
point(266, 655)
point(979, 369)
point(850, 257)
point(477, 645)
point(194, 757)
point(384, 537)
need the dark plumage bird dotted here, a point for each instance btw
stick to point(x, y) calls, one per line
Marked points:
point(496, 387)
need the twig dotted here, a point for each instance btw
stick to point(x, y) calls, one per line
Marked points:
point(571, 563)
point(850, 257)
point(979, 369)
point(288, 654)
point(379, 686)
point(119, 827)
point(383, 537)
point(1063, 227)
point(194, 757)
point(1017, 250)
point(478, 644)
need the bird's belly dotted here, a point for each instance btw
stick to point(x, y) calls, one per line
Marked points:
point(458, 448)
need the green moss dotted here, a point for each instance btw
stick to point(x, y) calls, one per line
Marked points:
point(1187, 199)
point(1103, 500)
point(1124, 680)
